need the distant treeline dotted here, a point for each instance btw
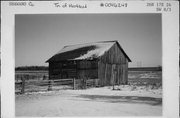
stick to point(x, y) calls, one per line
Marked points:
point(145, 68)
point(35, 68)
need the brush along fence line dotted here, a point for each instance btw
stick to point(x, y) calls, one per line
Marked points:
point(145, 81)
point(145, 78)
point(48, 85)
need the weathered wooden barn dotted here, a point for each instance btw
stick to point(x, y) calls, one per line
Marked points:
point(105, 60)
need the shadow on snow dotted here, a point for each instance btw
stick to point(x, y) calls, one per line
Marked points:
point(123, 99)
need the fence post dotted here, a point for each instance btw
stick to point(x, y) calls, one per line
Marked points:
point(85, 83)
point(74, 84)
point(44, 77)
point(49, 85)
point(22, 85)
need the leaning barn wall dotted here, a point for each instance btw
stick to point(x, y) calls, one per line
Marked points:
point(62, 70)
point(87, 69)
point(54, 70)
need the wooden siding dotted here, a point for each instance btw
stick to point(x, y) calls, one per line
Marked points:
point(73, 69)
point(62, 70)
point(113, 67)
point(114, 56)
point(110, 74)
point(87, 69)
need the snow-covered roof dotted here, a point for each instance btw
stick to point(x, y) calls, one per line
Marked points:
point(88, 51)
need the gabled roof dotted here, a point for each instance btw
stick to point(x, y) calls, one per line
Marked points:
point(87, 51)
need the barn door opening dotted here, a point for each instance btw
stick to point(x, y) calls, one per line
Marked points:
point(113, 74)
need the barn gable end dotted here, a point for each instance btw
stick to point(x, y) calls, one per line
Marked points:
point(113, 66)
point(115, 55)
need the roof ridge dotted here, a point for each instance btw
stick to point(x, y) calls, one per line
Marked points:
point(90, 43)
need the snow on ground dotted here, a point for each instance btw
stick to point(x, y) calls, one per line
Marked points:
point(103, 101)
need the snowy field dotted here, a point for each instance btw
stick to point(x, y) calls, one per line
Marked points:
point(103, 101)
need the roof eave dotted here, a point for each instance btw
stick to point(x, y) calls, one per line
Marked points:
point(129, 60)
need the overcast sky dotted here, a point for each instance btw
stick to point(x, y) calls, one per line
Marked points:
point(38, 37)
